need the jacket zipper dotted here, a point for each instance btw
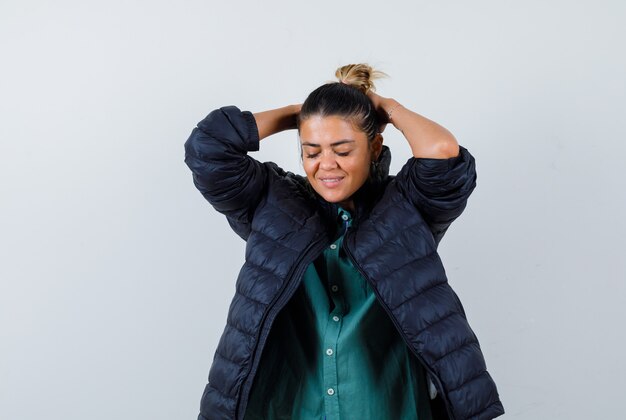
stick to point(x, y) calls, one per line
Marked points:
point(395, 323)
point(268, 319)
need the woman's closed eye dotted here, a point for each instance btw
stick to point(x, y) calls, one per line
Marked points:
point(314, 155)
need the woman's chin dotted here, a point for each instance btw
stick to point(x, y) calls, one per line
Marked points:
point(343, 201)
point(332, 197)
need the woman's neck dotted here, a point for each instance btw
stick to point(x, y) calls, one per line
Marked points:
point(347, 205)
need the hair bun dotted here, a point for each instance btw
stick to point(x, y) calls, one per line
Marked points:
point(360, 76)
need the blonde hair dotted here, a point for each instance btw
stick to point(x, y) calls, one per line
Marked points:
point(360, 76)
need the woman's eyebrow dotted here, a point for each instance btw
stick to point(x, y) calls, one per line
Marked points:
point(337, 143)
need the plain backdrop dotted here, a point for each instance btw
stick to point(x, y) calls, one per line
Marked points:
point(116, 274)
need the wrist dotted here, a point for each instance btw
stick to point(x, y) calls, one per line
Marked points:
point(295, 109)
point(391, 107)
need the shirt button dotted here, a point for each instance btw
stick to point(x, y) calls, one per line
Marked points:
point(333, 246)
point(334, 287)
point(336, 318)
point(330, 391)
point(329, 352)
point(344, 217)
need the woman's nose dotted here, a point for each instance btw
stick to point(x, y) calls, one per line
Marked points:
point(328, 161)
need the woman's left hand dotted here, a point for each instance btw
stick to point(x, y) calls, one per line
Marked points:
point(379, 104)
point(426, 138)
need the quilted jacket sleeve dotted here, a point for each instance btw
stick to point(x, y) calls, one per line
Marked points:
point(216, 152)
point(439, 188)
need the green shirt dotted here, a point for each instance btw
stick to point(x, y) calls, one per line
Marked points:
point(333, 353)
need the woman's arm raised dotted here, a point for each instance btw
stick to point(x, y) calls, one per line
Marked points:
point(426, 138)
point(217, 154)
point(441, 176)
point(277, 120)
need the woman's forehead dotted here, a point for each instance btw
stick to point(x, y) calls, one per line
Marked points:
point(318, 131)
point(334, 144)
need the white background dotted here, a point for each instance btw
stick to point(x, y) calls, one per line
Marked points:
point(116, 275)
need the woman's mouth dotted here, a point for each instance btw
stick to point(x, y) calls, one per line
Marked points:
point(331, 182)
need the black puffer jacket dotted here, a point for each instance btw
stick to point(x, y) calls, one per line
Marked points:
point(393, 242)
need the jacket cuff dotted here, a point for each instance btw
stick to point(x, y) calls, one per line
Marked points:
point(243, 123)
point(443, 179)
point(252, 141)
point(441, 165)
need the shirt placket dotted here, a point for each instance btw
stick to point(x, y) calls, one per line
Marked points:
point(334, 324)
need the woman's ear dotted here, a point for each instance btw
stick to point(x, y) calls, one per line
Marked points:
point(377, 146)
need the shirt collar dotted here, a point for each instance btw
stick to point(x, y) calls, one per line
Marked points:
point(344, 218)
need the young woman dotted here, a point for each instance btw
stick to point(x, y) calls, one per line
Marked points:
point(342, 308)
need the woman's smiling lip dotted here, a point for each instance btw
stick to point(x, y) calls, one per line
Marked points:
point(331, 181)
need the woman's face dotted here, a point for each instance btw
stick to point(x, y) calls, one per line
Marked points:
point(336, 157)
